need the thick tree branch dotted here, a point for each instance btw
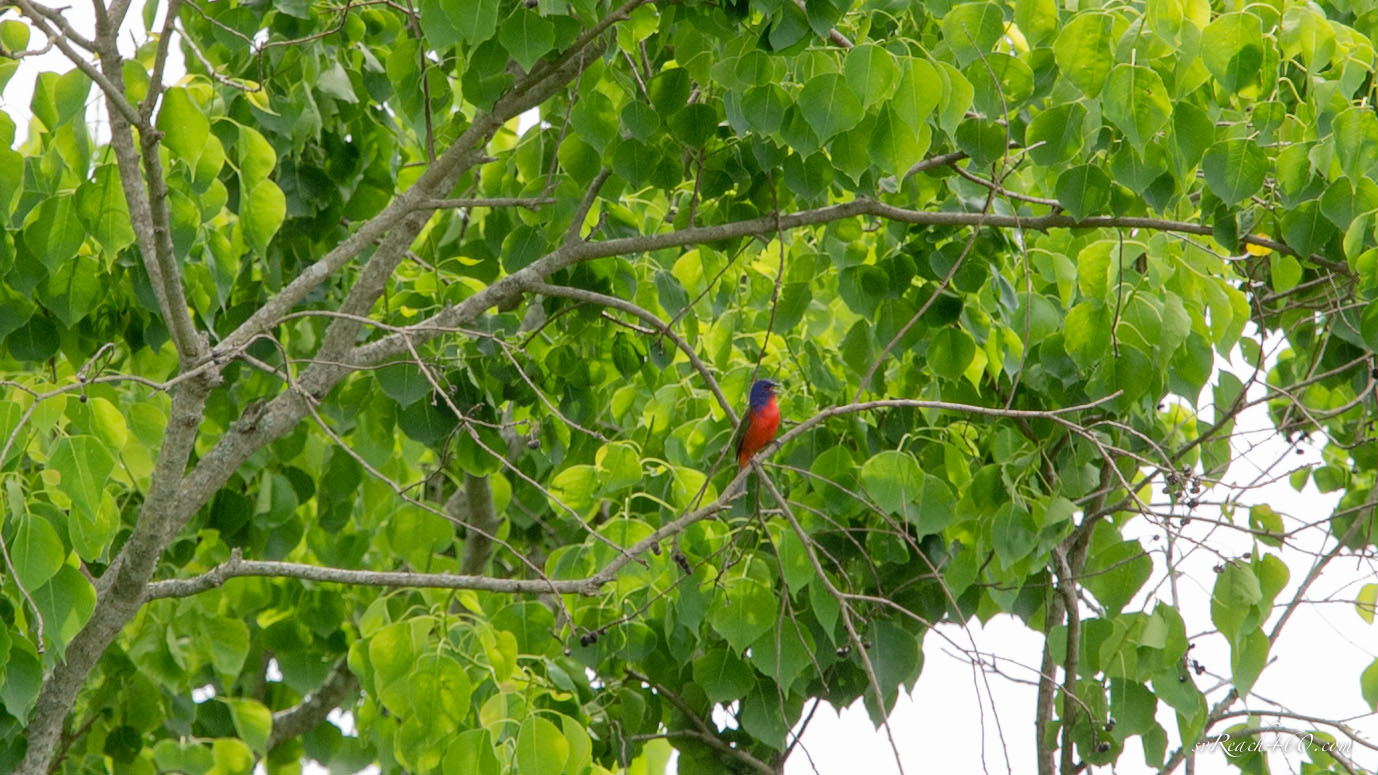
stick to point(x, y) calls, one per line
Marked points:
point(146, 199)
point(462, 154)
point(167, 507)
point(477, 493)
point(1066, 589)
point(119, 591)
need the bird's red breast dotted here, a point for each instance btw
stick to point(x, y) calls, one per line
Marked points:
point(761, 424)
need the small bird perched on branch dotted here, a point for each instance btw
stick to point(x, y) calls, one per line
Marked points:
point(760, 422)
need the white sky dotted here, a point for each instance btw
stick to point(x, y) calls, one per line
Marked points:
point(952, 723)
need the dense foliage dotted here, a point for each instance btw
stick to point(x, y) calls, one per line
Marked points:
point(327, 388)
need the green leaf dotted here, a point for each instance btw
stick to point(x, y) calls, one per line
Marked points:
point(1236, 593)
point(1262, 517)
point(894, 481)
point(1366, 602)
point(723, 676)
point(438, 691)
point(527, 36)
point(871, 73)
point(1369, 324)
point(1232, 49)
point(252, 721)
point(36, 340)
point(1055, 135)
point(971, 29)
point(575, 486)
point(427, 421)
point(783, 654)
point(73, 289)
point(23, 678)
point(1356, 141)
point(896, 659)
point(1192, 133)
point(640, 120)
point(634, 162)
point(14, 35)
point(919, 91)
point(1234, 170)
point(54, 231)
point(1174, 686)
point(829, 106)
point(1012, 534)
point(182, 123)
point(35, 550)
point(1306, 229)
point(333, 81)
point(440, 27)
point(262, 214)
point(1086, 333)
point(619, 466)
point(1136, 102)
point(1082, 51)
point(474, 20)
point(694, 124)
point(765, 108)
point(746, 608)
point(472, 751)
point(255, 156)
point(1307, 33)
point(11, 174)
point(1083, 190)
point(1037, 19)
point(541, 748)
point(229, 645)
point(950, 353)
point(641, 23)
point(1132, 706)
point(957, 96)
point(1284, 271)
point(1000, 84)
point(1115, 573)
point(983, 140)
point(101, 206)
point(1368, 684)
point(231, 755)
point(403, 382)
point(66, 603)
point(793, 555)
point(1248, 657)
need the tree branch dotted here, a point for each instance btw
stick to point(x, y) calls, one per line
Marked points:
point(237, 567)
point(1219, 710)
point(146, 199)
point(40, 16)
point(302, 718)
point(545, 289)
point(119, 591)
point(477, 494)
point(461, 154)
point(513, 285)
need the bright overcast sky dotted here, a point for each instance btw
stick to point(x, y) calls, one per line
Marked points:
point(960, 718)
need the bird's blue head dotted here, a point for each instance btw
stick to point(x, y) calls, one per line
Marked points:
point(762, 390)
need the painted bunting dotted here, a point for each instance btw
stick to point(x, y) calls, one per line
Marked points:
point(759, 423)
